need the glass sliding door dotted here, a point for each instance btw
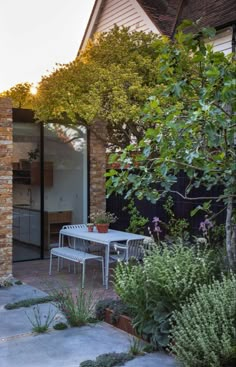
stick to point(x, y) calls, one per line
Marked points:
point(26, 192)
point(65, 180)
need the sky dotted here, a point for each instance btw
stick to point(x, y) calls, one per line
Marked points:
point(37, 34)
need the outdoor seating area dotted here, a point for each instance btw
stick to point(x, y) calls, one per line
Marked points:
point(118, 184)
point(79, 238)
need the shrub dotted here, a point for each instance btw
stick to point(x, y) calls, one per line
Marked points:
point(172, 273)
point(204, 330)
point(128, 282)
point(166, 279)
point(79, 310)
point(117, 306)
point(108, 360)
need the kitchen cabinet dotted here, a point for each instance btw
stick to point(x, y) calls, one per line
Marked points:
point(16, 223)
point(26, 225)
point(21, 176)
point(31, 175)
point(35, 173)
point(34, 227)
point(53, 223)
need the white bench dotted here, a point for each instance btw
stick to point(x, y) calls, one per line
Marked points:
point(76, 256)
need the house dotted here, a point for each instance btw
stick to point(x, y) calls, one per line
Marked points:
point(163, 17)
point(37, 160)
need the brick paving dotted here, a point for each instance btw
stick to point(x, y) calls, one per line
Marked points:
point(35, 273)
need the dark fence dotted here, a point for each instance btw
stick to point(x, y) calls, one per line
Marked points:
point(181, 208)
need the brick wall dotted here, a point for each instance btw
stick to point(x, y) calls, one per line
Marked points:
point(97, 149)
point(6, 149)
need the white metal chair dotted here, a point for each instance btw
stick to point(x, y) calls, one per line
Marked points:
point(77, 244)
point(132, 249)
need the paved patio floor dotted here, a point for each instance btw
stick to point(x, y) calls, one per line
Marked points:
point(19, 347)
point(35, 273)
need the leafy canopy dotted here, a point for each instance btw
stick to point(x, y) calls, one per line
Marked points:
point(188, 122)
point(110, 80)
point(20, 94)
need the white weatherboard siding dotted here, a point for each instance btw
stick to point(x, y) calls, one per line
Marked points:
point(223, 41)
point(123, 13)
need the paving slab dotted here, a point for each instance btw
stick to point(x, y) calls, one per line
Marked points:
point(17, 293)
point(152, 360)
point(19, 347)
point(15, 322)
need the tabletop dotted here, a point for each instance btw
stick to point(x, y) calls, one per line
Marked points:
point(103, 238)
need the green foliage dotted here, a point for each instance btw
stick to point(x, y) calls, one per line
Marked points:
point(128, 282)
point(18, 282)
point(136, 347)
point(204, 329)
point(176, 227)
point(117, 306)
point(101, 217)
point(137, 221)
point(41, 324)
point(110, 80)
point(165, 280)
point(20, 94)
point(60, 326)
point(189, 126)
point(108, 360)
point(174, 272)
point(5, 283)
point(28, 302)
point(77, 310)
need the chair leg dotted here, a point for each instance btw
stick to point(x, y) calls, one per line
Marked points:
point(58, 264)
point(83, 273)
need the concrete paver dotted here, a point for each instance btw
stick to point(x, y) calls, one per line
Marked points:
point(19, 347)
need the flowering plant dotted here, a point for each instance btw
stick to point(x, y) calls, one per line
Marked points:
point(101, 216)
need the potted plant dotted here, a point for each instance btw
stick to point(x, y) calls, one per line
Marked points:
point(90, 227)
point(102, 220)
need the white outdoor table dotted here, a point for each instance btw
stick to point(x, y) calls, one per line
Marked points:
point(105, 239)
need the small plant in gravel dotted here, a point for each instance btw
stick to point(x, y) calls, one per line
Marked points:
point(108, 360)
point(28, 302)
point(78, 310)
point(41, 324)
point(18, 282)
point(136, 347)
point(60, 326)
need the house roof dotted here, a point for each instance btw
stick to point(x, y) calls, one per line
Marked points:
point(166, 15)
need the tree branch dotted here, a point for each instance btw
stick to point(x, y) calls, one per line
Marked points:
point(200, 197)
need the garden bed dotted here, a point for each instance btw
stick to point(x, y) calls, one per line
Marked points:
point(123, 322)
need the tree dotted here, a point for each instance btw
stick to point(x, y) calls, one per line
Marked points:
point(20, 94)
point(110, 81)
point(189, 126)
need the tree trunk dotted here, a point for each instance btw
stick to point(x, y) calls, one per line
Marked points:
point(230, 234)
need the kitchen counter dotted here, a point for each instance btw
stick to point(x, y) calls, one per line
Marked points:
point(26, 224)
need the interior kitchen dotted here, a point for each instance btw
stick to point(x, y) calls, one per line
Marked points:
point(46, 195)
